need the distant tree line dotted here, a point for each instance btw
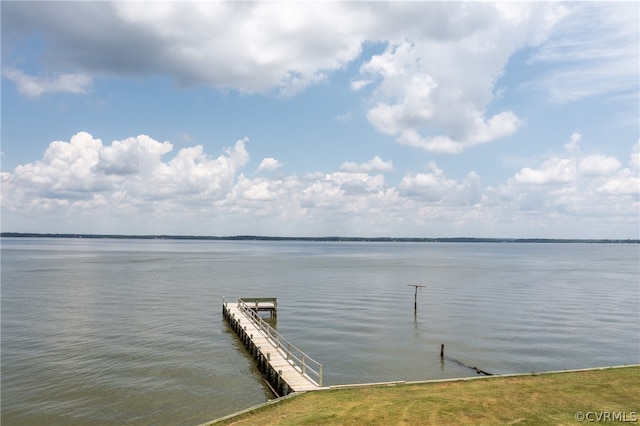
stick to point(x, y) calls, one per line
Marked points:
point(320, 239)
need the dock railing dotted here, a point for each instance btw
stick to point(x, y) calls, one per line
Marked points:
point(262, 304)
point(267, 302)
point(307, 365)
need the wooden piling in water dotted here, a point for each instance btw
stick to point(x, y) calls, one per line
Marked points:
point(476, 369)
point(415, 296)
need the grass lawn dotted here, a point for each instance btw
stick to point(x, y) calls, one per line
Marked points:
point(545, 399)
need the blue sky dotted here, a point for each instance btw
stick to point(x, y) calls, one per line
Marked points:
point(425, 119)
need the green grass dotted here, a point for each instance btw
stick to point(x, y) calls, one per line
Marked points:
point(545, 399)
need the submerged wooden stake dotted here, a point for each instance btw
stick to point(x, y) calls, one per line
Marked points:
point(415, 296)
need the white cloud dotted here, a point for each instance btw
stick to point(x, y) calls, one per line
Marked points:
point(499, 125)
point(593, 52)
point(573, 146)
point(435, 187)
point(340, 191)
point(359, 84)
point(33, 86)
point(260, 190)
point(376, 164)
point(431, 87)
point(130, 169)
point(598, 165)
point(575, 187)
point(269, 164)
point(583, 168)
point(434, 92)
point(139, 185)
point(552, 171)
point(251, 47)
point(624, 183)
point(65, 171)
point(131, 156)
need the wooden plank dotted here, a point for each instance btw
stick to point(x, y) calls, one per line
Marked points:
point(260, 303)
point(290, 373)
point(277, 357)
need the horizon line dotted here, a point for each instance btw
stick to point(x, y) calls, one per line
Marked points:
point(245, 237)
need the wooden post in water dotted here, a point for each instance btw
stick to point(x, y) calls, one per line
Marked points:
point(415, 296)
point(442, 351)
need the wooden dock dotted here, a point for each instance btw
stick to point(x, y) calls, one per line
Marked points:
point(262, 304)
point(285, 367)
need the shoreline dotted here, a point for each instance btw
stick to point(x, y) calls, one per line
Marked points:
point(323, 239)
point(357, 386)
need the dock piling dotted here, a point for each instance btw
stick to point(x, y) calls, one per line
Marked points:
point(285, 368)
point(415, 296)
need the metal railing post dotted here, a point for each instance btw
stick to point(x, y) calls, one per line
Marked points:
point(299, 358)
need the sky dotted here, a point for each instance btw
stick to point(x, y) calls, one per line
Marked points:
point(363, 119)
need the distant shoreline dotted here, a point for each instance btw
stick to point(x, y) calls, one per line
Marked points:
point(320, 239)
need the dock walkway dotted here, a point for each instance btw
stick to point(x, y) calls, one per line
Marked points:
point(285, 367)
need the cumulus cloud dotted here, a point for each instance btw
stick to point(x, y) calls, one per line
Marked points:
point(269, 164)
point(427, 185)
point(251, 47)
point(376, 164)
point(33, 86)
point(65, 171)
point(434, 91)
point(499, 125)
point(435, 187)
point(359, 84)
point(131, 156)
point(598, 165)
point(624, 183)
point(582, 184)
point(572, 167)
point(142, 185)
point(552, 171)
point(431, 87)
point(260, 190)
point(340, 190)
point(131, 168)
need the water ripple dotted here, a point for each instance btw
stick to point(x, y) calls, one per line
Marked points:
point(112, 332)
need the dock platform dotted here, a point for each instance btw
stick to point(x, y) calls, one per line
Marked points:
point(285, 367)
point(262, 304)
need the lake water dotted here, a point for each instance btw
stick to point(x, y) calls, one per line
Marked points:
point(108, 332)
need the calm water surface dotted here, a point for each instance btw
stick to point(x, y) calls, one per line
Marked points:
point(130, 331)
